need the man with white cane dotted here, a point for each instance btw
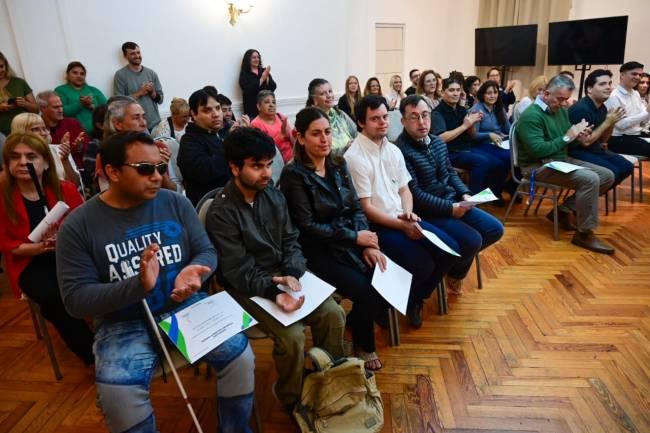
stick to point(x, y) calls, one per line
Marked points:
point(127, 258)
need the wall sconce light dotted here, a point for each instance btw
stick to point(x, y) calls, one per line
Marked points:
point(237, 8)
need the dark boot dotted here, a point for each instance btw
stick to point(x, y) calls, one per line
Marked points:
point(589, 241)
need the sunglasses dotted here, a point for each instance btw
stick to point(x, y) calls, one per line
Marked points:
point(147, 168)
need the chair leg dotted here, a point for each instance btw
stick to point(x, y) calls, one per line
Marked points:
point(443, 307)
point(567, 193)
point(32, 310)
point(606, 203)
point(445, 298)
point(556, 230)
point(512, 202)
point(529, 204)
point(394, 326)
point(640, 181)
point(632, 186)
point(392, 341)
point(539, 203)
point(48, 345)
point(479, 277)
point(614, 197)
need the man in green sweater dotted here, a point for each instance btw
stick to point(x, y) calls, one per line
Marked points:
point(544, 134)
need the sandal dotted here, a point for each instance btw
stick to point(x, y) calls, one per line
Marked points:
point(371, 360)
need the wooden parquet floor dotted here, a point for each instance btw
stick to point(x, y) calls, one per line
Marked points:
point(557, 341)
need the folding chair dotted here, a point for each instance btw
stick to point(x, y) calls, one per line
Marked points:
point(637, 161)
point(524, 184)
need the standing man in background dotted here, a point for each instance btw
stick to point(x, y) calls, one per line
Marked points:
point(139, 82)
point(414, 75)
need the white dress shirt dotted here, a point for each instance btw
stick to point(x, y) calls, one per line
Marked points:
point(635, 111)
point(378, 172)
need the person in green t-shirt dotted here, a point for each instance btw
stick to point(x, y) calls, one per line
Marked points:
point(79, 99)
point(15, 96)
point(544, 133)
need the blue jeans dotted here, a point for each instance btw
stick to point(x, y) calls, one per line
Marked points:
point(620, 166)
point(472, 233)
point(125, 361)
point(426, 262)
point(499, 165)
point(484, 170)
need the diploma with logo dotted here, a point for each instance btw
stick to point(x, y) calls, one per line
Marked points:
point(203, 326)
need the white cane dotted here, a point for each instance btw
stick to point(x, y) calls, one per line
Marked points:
point(171, 365)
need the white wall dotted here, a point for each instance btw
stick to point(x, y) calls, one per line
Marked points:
point(190, 43)
point(439, 34)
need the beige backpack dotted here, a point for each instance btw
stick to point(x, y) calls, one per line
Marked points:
point(339, 397)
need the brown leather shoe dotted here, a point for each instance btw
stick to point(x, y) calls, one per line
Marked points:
point(589, 241)
point(565, 218)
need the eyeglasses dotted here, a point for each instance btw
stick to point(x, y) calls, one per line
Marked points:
point(415, 117)
point(147, 168)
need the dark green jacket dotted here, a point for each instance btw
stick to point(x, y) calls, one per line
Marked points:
point(254, 243)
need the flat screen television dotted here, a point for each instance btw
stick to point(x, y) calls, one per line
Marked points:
point(505, 46)
point(599, 41)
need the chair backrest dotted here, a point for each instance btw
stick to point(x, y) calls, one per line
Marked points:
point(514, 152)
point(395, 126)
point(204, 204)
point(173, 146)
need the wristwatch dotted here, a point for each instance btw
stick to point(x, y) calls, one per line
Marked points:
point(566, 139)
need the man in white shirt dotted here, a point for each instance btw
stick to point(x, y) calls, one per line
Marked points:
point(381, 179)
point(627, 137)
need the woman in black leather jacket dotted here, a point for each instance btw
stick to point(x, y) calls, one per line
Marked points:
point(334, 233)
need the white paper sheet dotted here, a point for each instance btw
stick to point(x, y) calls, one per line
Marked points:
point(435, 240)
point(204, 325)
point(52, 217)
point(505, 144)
point(563, 167)
point(482, 197)
point(394, 284)
point(315, 291)
point(633, 159)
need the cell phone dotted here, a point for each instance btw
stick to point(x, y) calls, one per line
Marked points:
point(11, 101)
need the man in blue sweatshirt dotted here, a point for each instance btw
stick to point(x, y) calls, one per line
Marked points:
point(132, 242)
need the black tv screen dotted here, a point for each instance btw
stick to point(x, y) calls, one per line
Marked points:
point(505, 46)
point(599, 41)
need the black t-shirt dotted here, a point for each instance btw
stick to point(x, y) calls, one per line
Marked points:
point(36, 213)
point(445, 118)
point(586, 109)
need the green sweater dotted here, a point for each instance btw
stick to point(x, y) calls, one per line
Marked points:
point(539, 135)
point(72, 106)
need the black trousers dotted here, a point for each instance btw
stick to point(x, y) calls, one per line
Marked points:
point(355, 285)
point(40, 284)
point(629, 145)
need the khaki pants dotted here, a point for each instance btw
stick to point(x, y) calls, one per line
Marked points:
point(327, 324)
point(588, 185)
